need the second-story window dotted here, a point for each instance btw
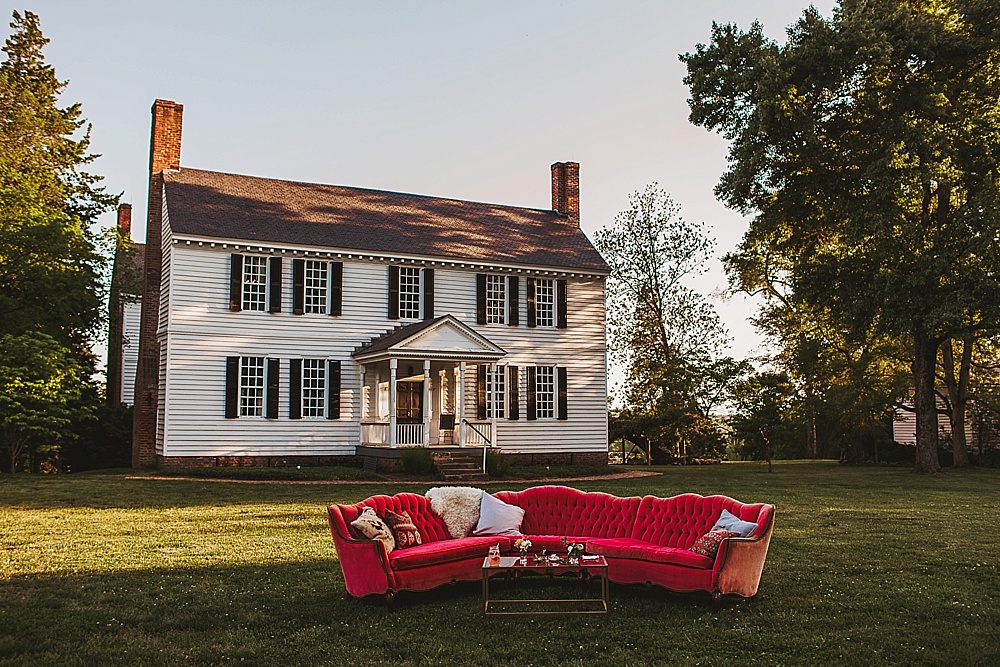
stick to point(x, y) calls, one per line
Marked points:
point(315, 287)
point(545, 303)
point(496, 299)
point(254, 282)
point(409, 293)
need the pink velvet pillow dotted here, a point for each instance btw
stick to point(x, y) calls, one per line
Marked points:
point(708, 544)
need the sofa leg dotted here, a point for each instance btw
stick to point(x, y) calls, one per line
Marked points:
point(390, 596)
point(717, 599)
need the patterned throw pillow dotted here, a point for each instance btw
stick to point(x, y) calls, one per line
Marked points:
point(708, 544)
point(371, 526)
point(403, 529)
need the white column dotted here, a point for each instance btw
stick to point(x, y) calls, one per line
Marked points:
point(460, 402)
point(392, 402)
point(492, 402)
point(427, 402)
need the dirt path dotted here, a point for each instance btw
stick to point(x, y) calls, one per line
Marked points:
point(632, 474)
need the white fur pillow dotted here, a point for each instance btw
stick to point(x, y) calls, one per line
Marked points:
point(498, 518)
point(458, 506)
point(371, 526)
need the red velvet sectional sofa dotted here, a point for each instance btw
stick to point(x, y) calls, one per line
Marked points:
point(645, 540)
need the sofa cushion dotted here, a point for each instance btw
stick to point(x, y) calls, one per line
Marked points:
point(430, 525)
point(708, 544)
point(679, 521)
point(498, 518)
point(560, 510)
point(729, 522)
point(371, 526)
point(444, 551)
point(624, 547)
point(403, 530)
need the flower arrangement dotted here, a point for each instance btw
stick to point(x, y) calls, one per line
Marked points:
point(573, 549)
point(522, 544)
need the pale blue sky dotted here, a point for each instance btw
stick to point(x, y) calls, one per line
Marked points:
point(469, 100)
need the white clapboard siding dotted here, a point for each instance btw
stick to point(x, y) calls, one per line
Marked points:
point(201, 332)
point(904, 426)
point(131, 316)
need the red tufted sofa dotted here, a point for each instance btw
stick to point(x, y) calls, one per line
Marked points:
point(645, 540)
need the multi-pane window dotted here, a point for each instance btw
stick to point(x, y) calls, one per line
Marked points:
point(315, 287)
point(496, 302)
point(545, 392)
point(252, 386)
point(495, 393)
point(545, 302)
point(254, 282)
point(313, 387)
point(409, 293)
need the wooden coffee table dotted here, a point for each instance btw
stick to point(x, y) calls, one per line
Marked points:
point(512, 569)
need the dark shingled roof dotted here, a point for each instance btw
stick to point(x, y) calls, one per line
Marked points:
point(229, 206)
point(393, 336)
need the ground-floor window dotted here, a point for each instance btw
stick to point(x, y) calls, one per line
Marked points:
point(545, 392)
point(251, 386)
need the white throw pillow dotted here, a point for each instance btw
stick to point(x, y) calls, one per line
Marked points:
point(371, 526)
point(498, 518)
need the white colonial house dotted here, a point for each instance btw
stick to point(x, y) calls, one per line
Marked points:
point(298, 321)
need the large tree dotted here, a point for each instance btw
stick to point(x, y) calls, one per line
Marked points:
point(866, 148)
point(664, 333)
point(51, 269)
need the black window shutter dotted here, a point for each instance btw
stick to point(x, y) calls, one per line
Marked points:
point(560, 304)
point(298, 286)
point(512, 394)
point(480, 298)
point(530, 283)
point(563, 395)
point(336, 288)
point(295, 389)
point(532, 413)
point(481, 391)
point(513, 302)
point(235, 282)
point(274, 285)
point(232, 387)
point(333, 397)
point(393, 292)
point(428, 294)
point(271, 394)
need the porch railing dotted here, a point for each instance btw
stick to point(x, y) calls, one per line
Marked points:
point(478, 434)
point(375, 433)
point(408, 435)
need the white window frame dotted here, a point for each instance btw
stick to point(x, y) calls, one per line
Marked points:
point(253, 291)
point(410, 298)
point(545, 392)
point(314, 388)
point(545, 302)
point(495, 401)
point(253, 385)
point(316, 293)
point(496, 299)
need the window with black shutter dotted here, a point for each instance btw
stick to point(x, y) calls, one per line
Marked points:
point(298, 286)
point(530, 403)
point(481, 391)
point(232, 387)
point(560, 304)
point(393, 292)
point(336, 288)
point(428, 294)
point(513, 301)
point(235, 282)
point(530, 284)
point(480, 298)
point(563, 400)
point(513, 396)
point(271, 398)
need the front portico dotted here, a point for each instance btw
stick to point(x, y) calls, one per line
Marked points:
point(414, 385)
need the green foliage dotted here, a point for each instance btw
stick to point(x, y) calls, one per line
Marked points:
point(39, 382)
point(417, 460)
point(865, 147)
point(497, 465)
point(666, 335)
point(103, 439)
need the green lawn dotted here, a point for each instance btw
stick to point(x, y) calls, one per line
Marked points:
point(867, 566)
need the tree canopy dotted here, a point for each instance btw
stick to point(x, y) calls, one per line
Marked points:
point(867, 148)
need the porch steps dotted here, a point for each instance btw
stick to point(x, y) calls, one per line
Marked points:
point(460, 465)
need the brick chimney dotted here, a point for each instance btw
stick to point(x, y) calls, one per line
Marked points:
point(164, 153)
point(566, 189)
point(125, 221)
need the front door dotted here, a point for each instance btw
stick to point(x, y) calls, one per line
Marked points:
point(410, 402)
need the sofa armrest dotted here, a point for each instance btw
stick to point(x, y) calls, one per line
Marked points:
point(364, 562)
point(740, 562)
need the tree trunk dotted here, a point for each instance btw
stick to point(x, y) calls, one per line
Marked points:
point(924, 366)
point(811, 448)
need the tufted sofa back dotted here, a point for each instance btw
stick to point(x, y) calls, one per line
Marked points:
point(560, 510)
point(431, 526)
point(679, 521)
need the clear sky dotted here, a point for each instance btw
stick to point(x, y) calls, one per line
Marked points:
point(468, 100)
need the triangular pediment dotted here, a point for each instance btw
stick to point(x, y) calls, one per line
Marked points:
point(443, 338)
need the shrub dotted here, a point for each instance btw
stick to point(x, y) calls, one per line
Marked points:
point(417, 460)
point(497, 464)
